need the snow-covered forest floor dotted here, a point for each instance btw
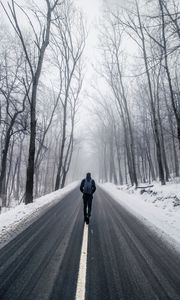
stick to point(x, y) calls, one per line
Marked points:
point(158, 206)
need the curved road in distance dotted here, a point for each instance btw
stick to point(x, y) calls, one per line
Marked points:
point(125, 259)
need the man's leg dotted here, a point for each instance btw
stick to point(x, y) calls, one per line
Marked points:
point(89, 205)
point(85, 205)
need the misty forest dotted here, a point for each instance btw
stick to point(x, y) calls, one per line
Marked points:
point(66, 110)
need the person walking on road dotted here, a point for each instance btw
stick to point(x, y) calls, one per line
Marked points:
point(88, 188)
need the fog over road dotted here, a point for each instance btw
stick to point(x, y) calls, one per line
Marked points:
point(125, 260)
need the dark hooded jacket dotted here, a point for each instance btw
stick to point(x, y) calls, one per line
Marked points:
point(83, 182)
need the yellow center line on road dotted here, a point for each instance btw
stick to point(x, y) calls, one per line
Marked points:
point(81, 283)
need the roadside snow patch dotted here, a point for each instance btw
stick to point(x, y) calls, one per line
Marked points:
point(158, 210)
point(20, 217)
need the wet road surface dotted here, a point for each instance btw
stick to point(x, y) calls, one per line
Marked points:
point(125, 259)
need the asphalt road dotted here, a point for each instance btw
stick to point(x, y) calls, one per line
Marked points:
point(43, 261)
point(125, 259)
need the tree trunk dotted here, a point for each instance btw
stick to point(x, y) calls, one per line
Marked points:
point(163, 145)
point(119, 168)
point(118, 159)
point(31, 163)
point(176, 162)
point(3, 167)
point(46, 179)
point(105, 163)
point(60, 164)
point(125, 166)
point(18, 173)
point(151, 167)
point(176, 112)
point(155, 123)
point(126, 109)
point(13, 180)
point(30, 168)
point(4, 158)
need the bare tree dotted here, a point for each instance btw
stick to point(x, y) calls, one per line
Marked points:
point(174, 101)
point(150, 86)
point(113, 74)
point(68, 47)
point(41, 41)
point(13, 99)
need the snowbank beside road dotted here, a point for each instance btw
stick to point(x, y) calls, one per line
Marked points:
point(159, 208)
point(19, 218)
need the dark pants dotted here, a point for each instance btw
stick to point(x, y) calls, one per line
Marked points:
point(87, 199)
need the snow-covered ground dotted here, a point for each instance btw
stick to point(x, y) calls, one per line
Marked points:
point(158, 207)
point(20, 217)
